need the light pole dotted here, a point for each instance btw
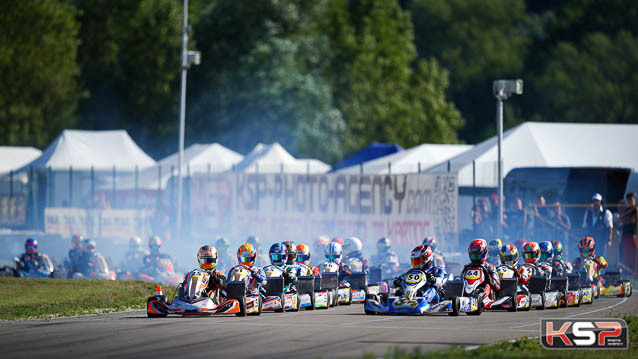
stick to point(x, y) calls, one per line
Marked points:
point(188, 58)
point(503, 89)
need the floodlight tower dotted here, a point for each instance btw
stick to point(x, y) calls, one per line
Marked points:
point(503, 89)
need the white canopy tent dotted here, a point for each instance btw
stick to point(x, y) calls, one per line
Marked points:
point(273, 158)
point(12, 158)
point(410, 160)
point(100, 150)
point(541, 144)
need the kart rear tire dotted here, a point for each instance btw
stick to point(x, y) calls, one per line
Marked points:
point(542, 307)
point(283, 305)
point(242, 307)
point(564, 305)
point(349, 301)
point(312, 302)
point(514, 302)
point(456, 304)
point(628, 291)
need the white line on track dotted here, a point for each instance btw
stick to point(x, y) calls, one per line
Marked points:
point(576, 315)
point(367, 321)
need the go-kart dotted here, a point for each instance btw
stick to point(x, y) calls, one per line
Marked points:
point(43, 268)
point(359, 287)
point(512, 296)
point(317, 291)
point(589, 280)
point(417, 298)
point(613, 285)
point(191, 299)
point(276, 293)
point(161, 272)
point(250, 299)
point(542, 296)
point(100, 270)
point(574, 291)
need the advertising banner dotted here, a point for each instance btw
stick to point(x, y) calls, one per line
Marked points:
point(112, 223)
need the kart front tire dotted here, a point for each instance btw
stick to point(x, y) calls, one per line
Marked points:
point(242, 307)
point(161, 298)
point(542, 307)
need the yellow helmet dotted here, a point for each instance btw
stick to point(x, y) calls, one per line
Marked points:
point(247, 255)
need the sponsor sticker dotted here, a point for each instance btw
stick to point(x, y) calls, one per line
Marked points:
point(601, 333)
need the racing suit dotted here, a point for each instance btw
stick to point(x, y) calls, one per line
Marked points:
point(73, 263)
point(257, 277)
point(91, 262)
point(601, 263)
point(358, 255)
point(491, 285)
point(436, 277)
point(28, 260)
point(561, 268)
point(216, 285)
point(304, 269)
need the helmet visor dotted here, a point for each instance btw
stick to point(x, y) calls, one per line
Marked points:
point(476, 257)
point(529, 255)
point(332, 257)
point(303, 258)
point(586, 251)
point(243, 259)
point(276, 258)
point(31, 247)
point(417, 261)
point(508, 258)
point(155, 247)
point(207, 262)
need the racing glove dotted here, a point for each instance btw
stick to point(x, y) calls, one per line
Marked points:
point(397, 282)
point(430, 277)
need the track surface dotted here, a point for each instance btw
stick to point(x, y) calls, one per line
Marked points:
point(336, 332)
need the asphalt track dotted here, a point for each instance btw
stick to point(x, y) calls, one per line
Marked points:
point(336, 332)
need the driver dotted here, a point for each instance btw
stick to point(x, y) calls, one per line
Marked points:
point(559, 266)
point(278, 254)
point(334, 263)
point(493, 252)
point(545, 260)
point(31, 257)
point(383, 251)
point(153, 259)
point(477, 252)
point(91, 261)
point(303, 261)
point(134, 256)
point(352, 247)
point(587, 249)
point(207, 259)
point(509, 258)
point(72, 264)
point(319, 245)
point(422, 259)
point(439, 260)
point(225, 259)
point(247, 256)
point(531, 256)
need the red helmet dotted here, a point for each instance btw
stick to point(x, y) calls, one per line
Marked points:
point(431, 241)
point(587, 247)
point(76, 240)
point(31, 245)
point(531, 252)
point(478, 251)
point(421, 257)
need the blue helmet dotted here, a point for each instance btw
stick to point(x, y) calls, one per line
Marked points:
point(547, 250)
point(278, 253)
point(334, 252)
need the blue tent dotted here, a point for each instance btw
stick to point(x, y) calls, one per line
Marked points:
point(374, 150)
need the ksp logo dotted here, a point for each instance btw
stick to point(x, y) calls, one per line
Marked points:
point(584, 334)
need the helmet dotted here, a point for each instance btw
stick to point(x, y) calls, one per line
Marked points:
point(547, 250)
point(558, 250)
point(531, 252)
point(519, 244)
point(320, 243)
point(352, 244)
point(333, 252)
point(254, 240)
point(135, 242)
point(247, 255)
point(31, 245)
point(76, 240)
point(89, 245)
point(383, 244)
point(431, 241)
point(587, 247)
point(155, 243)
point(222, 243)
point(207, 257)
point(477, 251)
point(509, 254)
point(291, 252)
point(338, 240)
point(421, 257)
point(278, 254)
point(355, 264)
point(494, 247)
point(303, 254)
point(392, 258)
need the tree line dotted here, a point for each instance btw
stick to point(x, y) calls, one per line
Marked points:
point(324, 77)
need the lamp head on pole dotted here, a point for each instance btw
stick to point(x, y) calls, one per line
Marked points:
point(503, 89)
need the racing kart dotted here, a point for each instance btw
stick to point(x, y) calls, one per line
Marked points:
point(613, 285)
point(250, 300)
point(590, 282)
point(191, 299)
point(417, 298)
point(317, 291)
point(574, 291)
point(276, 293)
point(359, 287)
point(101, 270)
point(43, 268)
point(512, 296)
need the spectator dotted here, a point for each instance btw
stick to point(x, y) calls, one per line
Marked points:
point(480, 218)
point(597, 223)
point(561, 225)
point(541, 220)
point(515, 223)
point(628, 241)
point(494, 209)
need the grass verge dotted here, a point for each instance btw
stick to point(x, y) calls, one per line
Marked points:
point(522, 348)
point(29, 298)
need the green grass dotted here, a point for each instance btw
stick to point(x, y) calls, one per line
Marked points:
point(522, 348)
point(26, 298)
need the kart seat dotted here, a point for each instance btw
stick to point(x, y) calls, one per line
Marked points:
point(508, 287)
point(328, 281)
point(306, 284)
point(236, 290)
point(537, 284)
point(453, 288)
point(611, 276)
point(573, 281)
point(358, 281)
point(275, 286)
point(558, 284)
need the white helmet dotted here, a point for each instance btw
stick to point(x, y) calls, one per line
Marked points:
point(135, 242)
point(352, 244)
point(333, 252)
point(355, 265)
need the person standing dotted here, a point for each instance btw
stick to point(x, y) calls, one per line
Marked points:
point(516, 223)
point(597, 223)
point(561, 225)
point(628, 241)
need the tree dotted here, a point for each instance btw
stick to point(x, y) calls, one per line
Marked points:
point(383, 92)
point(478, 42)
point(39, 88)
point(592, 82)
point(130, 66)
